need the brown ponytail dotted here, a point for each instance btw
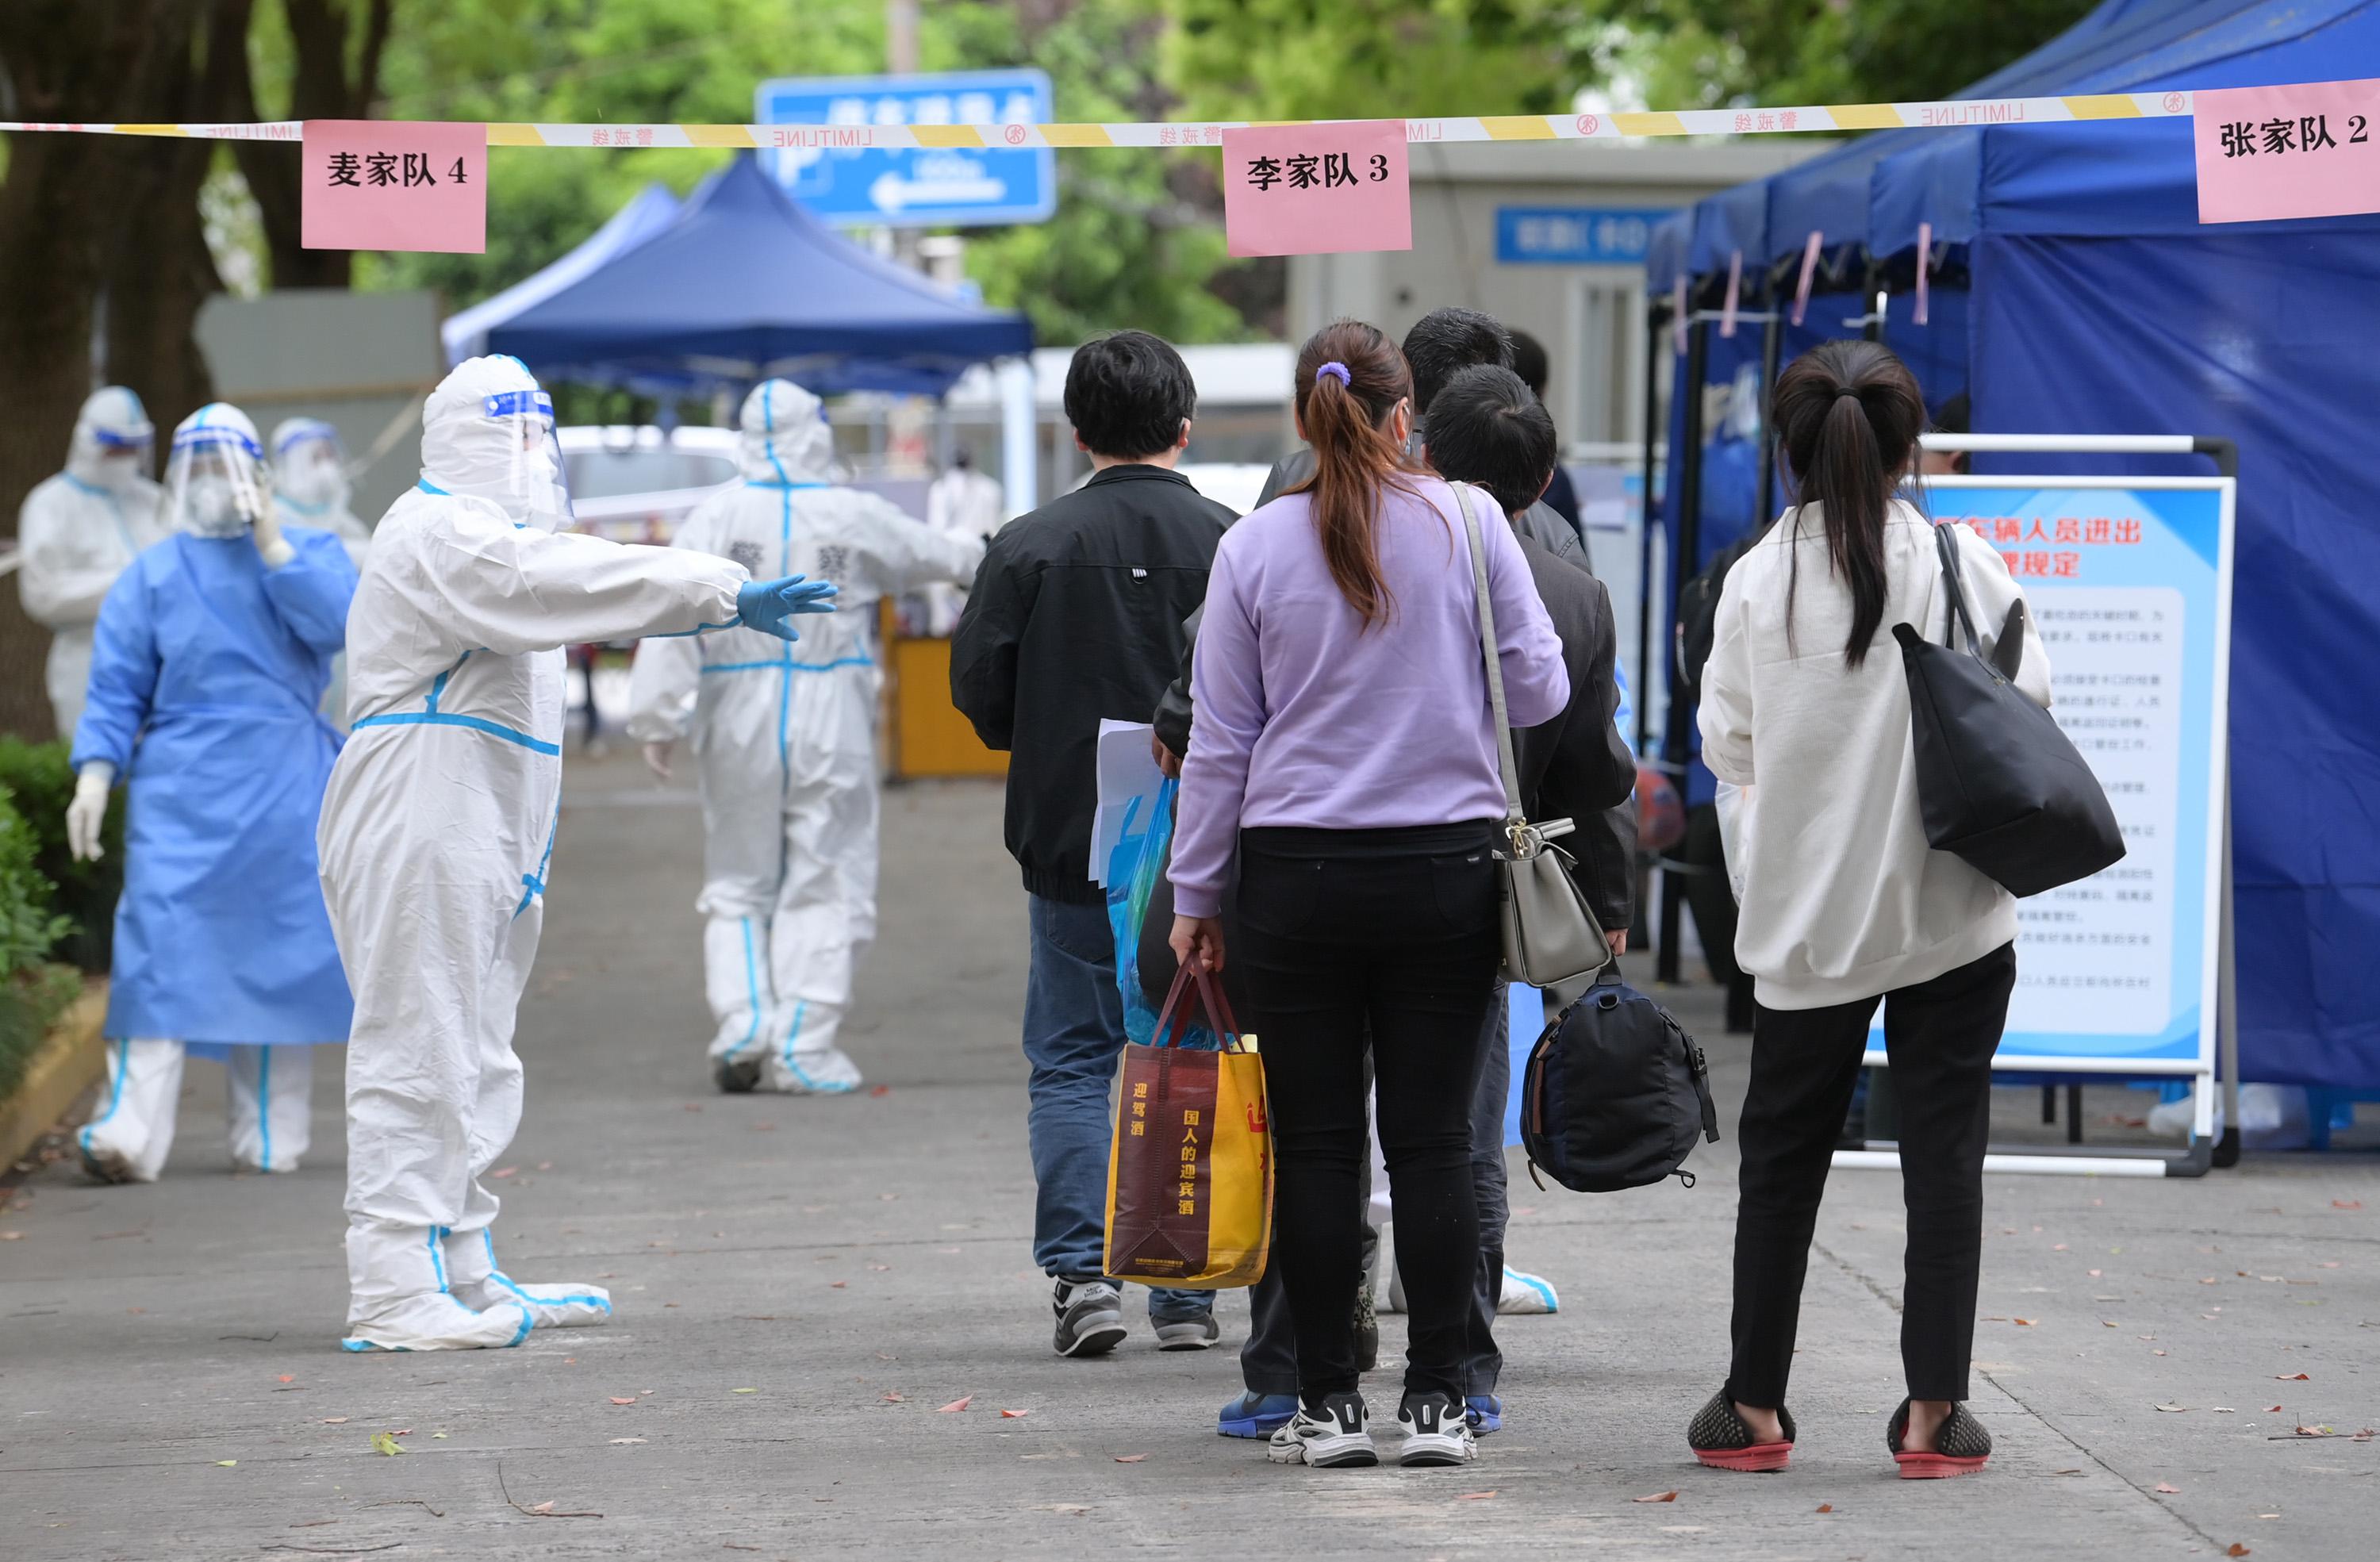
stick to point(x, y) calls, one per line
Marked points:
point(1848, 415)
point(1349, 378)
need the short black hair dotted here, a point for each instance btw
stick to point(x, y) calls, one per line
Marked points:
point(1487, 427)
point(1128, 395)
point(1446, 340)
point(1529, 361)
point(1955, 416)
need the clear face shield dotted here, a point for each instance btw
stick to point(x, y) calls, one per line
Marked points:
point(310, 469)
point(214, 480)
point(537, 484)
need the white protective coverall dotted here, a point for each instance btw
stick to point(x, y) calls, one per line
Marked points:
point(437, 830)
point(964, 504)
point(79, 529)
point(786, 737)
point(310, 489)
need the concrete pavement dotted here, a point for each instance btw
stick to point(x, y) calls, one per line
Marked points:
point(802, 1283)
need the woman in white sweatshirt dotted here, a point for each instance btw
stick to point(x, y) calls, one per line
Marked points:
point(1806, 708)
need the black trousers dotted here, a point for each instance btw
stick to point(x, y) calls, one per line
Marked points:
point(1386, 939)
point(1941, 1036)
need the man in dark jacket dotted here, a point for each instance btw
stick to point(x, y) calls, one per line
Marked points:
point(1076, 616)
point(1487, 429)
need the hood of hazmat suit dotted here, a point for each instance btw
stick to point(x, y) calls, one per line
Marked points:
point(214, 473)
point(77, 531)
point(438, 831)
point(311, 487)
point(785, 735)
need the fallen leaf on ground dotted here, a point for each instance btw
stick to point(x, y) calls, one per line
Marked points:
point(881, 1268)
point(2237, 1550)
point(386, 1443)
point(617, 1401)
point(1130, 1459)
point(2094, 1274)
point(744, 1391)
point(1481, 1496)
point(545, 1506)
point(1657, 1497)
point(626, 1442)
point(838, 1285)
point(2169, 1490)
point(880, 1090)
point(545, 1166)
point(12, 1236)
point(897, 1399)
point(289, 1377)
point(508, 1171)
point(2291, 1378)
point(1826, 1508)
point(228, 1463)
point(2174, 1410)
point(2347, 1204)
point(334, 1421)
point(1014, 1415)
point(2327, 1263)
point(2066, 1472)
point(2023, 1323)
point(2225, 1409)
point(2272, 1409)
point(959, 1404)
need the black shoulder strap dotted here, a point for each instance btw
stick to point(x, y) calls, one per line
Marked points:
point(1954, 618)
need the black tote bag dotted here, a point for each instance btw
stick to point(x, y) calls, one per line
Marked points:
point(1998, 783)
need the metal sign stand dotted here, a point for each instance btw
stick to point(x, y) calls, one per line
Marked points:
point(2205, 1149)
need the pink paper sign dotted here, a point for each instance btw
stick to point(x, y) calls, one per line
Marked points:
point(1316, 189)
point(2306, 151)
point(394, 184)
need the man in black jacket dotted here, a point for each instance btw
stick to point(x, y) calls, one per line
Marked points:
point(1076, 616)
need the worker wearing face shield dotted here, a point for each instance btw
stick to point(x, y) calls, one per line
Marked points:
point(210, 658)
point(79, 529)
point(439, 830)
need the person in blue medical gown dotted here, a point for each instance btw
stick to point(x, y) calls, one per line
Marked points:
point(208, 666)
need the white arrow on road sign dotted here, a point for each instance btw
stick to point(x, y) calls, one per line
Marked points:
point(891, 192)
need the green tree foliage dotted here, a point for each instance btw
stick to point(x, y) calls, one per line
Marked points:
point(1693, 53)
point(1118, 252)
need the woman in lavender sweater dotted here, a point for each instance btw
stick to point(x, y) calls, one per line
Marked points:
point(1344, 750)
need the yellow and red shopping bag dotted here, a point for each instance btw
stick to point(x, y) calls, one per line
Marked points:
point(1190, 1175)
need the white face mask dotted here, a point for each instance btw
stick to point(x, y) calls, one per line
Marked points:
point(213, 506)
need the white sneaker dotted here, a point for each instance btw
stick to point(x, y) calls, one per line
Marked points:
point(1526, 1295)
point(437, 1321)
point(564, 1305)
point(1334, 1439)
point(1437, 1431)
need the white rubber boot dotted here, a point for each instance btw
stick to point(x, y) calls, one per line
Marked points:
point(436, 1320)
point(128, 1141)
point(475, 1280)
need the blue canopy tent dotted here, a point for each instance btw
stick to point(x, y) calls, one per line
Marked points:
point(465, 333)
point(743, 283)
point(2095, 303)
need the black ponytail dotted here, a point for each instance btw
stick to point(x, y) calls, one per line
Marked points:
point(1848, 415)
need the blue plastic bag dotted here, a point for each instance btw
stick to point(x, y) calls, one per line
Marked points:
point(1132, 867)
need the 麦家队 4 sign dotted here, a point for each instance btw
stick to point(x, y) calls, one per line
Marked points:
point(393, 184)
point(1316, 189)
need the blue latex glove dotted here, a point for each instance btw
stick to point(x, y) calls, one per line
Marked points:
point(770, 605)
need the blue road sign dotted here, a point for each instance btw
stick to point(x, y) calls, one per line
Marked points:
point(914, 187)
point(1574, 236)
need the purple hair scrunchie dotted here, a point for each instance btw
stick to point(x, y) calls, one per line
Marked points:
point(1340, 370)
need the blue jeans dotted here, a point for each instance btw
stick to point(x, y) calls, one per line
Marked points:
point(1074, 1036)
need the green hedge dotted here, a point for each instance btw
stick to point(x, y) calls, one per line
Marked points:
point(33, 992)
point(85, 893)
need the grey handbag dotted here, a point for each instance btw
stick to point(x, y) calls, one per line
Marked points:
point(1549, 934)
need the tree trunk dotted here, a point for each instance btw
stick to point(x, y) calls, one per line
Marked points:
point(325, 84)
point(159, 271)
point(64, 60)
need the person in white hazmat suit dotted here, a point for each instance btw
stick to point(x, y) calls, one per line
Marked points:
point(438, 826)
point(310, 489)
point(310, 486)
point(962, 502)
point(77, 531)
point(785, 739)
